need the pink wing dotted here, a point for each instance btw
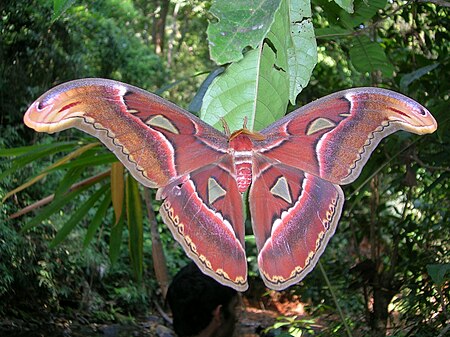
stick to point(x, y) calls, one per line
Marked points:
point(334, 136)
point(295, 199)
point(162, 146)
point(144, 131)
point(294, 214)
point(204, 212)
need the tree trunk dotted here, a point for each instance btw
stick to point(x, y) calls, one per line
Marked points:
point(159, 25)
point(158, 257)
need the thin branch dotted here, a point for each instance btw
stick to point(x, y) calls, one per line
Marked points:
point(444, 331)
point(49, 199)
point(430, 167)
point(333, 295)
point(442, 3)
point(163, 314)
point(159, 259)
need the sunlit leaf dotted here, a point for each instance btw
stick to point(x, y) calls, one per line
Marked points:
point(239, 25)
point(59, 7)
point(197, 101)
point(251, 88)
point(292, 35)
point(117, 188)
point(259, 86)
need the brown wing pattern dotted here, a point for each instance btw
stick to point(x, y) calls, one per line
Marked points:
point(143, 130)
point(334, 136)
point(294, 230)
point(204, 213)
point(295, 197)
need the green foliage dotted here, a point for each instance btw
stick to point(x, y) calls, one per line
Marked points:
point(94, 39)
point(239, 25)
point(59, 7)
point(438, 273)
point(87, 40)
point(368, 56)
point(236, 94)
point(260, 85)
point(135, 226)
point(291, 327)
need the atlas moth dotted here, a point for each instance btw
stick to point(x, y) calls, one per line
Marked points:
point(293, 168)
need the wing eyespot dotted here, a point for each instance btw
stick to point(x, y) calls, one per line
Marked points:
point(423, 112)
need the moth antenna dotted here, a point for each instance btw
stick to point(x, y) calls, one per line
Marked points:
point(226, 128)
point(244, 126)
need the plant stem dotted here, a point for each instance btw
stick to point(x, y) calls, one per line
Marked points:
point(333, 295)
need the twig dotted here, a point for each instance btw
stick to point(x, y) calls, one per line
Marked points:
point(442, 3)
point(430, 167)
point(338, 307)
point(49, 199)
point(158, 257)
point(164, 315)
point(444, 331)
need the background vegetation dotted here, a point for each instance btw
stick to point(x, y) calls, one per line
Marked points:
point(388, 263)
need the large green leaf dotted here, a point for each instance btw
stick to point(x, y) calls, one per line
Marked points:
point(135, 227)
point(368, 56)
point(240, 24)
point(345, 4)
point(251, 88)
point(259, 86)
point(196, 103)
point(292, 36)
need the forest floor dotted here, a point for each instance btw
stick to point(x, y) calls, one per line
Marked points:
point(256, 316)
